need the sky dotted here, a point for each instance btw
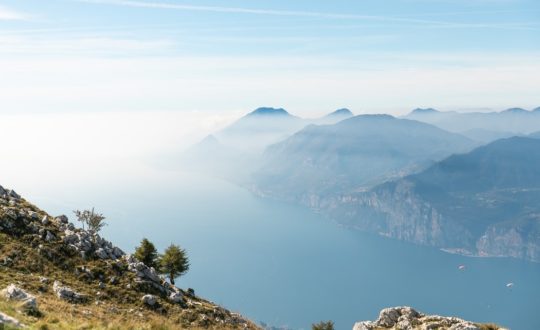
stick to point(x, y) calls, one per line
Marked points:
point(90, 85)
point(229, 57)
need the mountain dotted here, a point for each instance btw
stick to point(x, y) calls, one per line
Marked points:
point(515, 121)
point(353, 154)
point(520, 111)
point(259, 128)
point(234, 152)
point(54, 275)
point(424, 111)
point(486, 202)
point(408, 318)
point(535, 135)
point(487, 136)
point(265, 126)
point(334, 117)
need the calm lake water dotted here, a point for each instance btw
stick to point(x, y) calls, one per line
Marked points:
point(287, 266)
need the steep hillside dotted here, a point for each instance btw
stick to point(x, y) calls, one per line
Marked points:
point(353, 154)
point(56, 276)
point(486, 202)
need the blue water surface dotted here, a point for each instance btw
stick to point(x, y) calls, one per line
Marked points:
point(288, 266)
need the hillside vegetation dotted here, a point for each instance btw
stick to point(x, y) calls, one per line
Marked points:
point(56, 276)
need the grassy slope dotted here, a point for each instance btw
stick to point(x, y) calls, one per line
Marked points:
point(25, 258)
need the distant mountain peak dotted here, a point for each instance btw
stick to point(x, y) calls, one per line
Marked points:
point(536, 109)
point(420, 111)
point(343, 112)
point(369, 117)
point(268, 111)
point(515, 110)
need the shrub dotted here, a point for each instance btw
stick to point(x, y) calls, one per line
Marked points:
point(323, 325)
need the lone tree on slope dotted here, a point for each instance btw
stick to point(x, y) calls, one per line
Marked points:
point(174, 262)
point(147, 254)
point(94, 221)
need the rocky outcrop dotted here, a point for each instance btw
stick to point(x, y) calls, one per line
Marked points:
point(28, 302)
point(147, 277)
point(20, 219)
point(66, 293)
point(406, 318)
point(87, 243)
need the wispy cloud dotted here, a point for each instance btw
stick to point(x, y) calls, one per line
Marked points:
point(272, 12)
point(314, 14)
point(10, 14)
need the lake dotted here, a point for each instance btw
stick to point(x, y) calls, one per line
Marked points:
point(288, 266)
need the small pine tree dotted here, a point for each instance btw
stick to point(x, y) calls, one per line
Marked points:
point(147, 253)
point(94, 221)
point(174, 262)
point(323, 325)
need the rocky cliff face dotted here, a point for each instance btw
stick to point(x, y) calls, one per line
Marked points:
point(406, 318)
point(54, 273)
point(402, 214)
point(517, 242)
point(397, 211)
point(483, 203)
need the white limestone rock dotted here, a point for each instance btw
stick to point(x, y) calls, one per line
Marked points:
point(406, 318)
point(28, 301)
point(66, 293)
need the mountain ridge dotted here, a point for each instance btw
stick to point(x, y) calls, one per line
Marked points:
point(322, 157)
point(516, 121)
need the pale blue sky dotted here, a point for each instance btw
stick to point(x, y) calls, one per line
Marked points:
point(231, 56)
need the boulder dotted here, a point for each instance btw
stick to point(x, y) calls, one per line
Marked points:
point(62, 219)
point(149, 300)
point(142, 271)
point(388, 317)
point(66, 293)
point(45, 221)
point(102, 254)
point(49, 237)
point(176, 297)
point(13, 194)
point(28, 301)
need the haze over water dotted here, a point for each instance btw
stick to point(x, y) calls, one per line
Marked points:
point(97, 96)
point(287, 266)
